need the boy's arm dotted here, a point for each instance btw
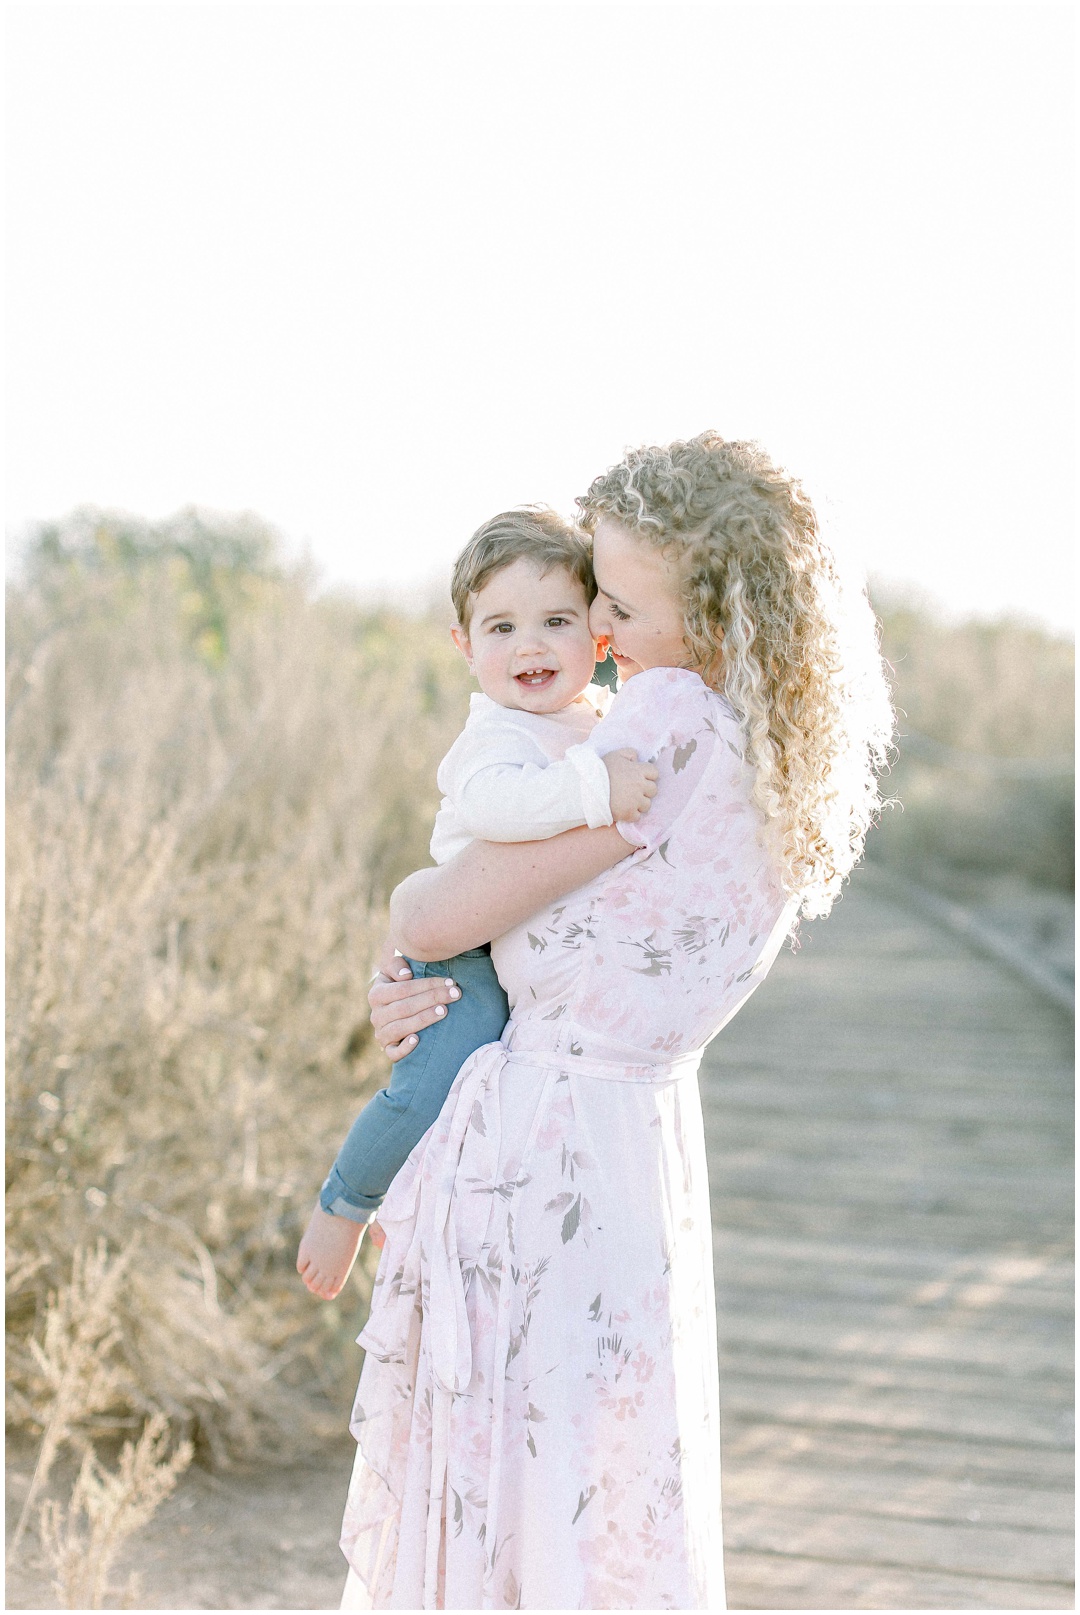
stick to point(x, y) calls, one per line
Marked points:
point(527, 802)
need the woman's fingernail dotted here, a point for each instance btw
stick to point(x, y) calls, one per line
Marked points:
point(448, 982)
point(411, 1039)
point(402, 973)
point(440, 1009)
point(455, 992)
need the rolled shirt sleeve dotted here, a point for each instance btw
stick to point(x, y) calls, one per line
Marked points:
point(517, 776)
point(661, 716)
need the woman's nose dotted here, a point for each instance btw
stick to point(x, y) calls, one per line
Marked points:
point(599, 626)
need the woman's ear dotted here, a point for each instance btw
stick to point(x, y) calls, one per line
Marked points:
point(461, 640)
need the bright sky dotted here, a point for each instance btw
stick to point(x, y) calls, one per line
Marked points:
point(379, 272)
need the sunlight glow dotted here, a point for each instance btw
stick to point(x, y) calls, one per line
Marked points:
point(377, 273)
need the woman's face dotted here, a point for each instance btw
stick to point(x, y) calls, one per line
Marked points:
point(638, 606)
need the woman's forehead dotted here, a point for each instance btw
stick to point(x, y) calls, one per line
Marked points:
point(627, 565)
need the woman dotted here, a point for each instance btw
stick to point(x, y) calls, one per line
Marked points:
point(538, 1415)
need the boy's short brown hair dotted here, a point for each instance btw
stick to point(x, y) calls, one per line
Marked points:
point(532, 533)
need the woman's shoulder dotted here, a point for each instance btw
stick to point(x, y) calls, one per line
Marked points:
point(663, 686)
point(677, 690)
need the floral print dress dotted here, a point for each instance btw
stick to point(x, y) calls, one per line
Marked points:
point(538, 1414)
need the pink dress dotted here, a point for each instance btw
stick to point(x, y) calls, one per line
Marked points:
point(538, 1418)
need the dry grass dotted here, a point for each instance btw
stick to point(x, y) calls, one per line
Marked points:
point(214, 780)
point(994, 690)
point(81, 1541)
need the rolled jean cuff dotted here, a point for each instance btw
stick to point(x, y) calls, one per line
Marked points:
point(338, 1200)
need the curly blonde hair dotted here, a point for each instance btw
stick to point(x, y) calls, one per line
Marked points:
point(769, 625)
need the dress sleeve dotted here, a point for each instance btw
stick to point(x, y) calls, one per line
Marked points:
point(663, 716)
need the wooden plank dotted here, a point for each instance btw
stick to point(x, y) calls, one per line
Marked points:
point(1036, 1556)
point(921, 1222)
point(1001, 1284)
point(924, 1222)
point(912, 1494)
point(753, 1092)
point(766, 1581)
point(749, 1320)
point(810, 1368)
point(905, 1144)
point(893, 1455)
point(884, 1408)
point(1052, 1263)
point(912, 1184)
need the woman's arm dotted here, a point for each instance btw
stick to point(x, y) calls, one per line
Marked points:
point(492, 886)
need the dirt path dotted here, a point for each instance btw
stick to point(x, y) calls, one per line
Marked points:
point(255, 1539)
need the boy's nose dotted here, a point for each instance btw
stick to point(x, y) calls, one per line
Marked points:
point(530, 645)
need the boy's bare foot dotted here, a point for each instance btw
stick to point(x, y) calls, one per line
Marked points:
point(327, 1253)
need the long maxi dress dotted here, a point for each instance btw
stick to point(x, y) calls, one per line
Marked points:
point(537, 1417)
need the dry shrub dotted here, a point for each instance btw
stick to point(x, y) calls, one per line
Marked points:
point(213, 781)
point(990, 690)
point(77, 1375)
point(81, 1541)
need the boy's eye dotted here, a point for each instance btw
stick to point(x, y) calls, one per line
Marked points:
point(557, 622)
point(502, 628)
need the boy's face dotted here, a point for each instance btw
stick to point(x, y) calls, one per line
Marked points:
point(529, 643)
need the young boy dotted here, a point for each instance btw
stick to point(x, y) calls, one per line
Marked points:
point(519, 771)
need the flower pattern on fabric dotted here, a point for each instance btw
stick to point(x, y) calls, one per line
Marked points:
point(538, 1413)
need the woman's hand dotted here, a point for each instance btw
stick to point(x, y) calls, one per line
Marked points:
point(402, 1007)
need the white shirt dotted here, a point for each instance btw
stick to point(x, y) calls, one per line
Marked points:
point(522, 776)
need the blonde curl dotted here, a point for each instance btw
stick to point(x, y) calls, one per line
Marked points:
point(769, 624)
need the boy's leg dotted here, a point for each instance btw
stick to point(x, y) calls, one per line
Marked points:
point(396, 1119)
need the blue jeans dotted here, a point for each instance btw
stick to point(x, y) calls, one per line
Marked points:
point(384, 1134)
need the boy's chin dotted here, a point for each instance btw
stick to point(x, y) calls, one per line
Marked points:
point(541, 697)
point(548, 699)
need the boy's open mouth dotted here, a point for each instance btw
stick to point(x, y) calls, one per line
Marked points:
point(536, 678)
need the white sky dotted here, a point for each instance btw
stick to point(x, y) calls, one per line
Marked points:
point(379, 272)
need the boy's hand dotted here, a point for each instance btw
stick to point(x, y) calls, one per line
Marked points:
point(633, 785)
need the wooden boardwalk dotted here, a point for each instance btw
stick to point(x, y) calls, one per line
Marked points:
point(890, 1134)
